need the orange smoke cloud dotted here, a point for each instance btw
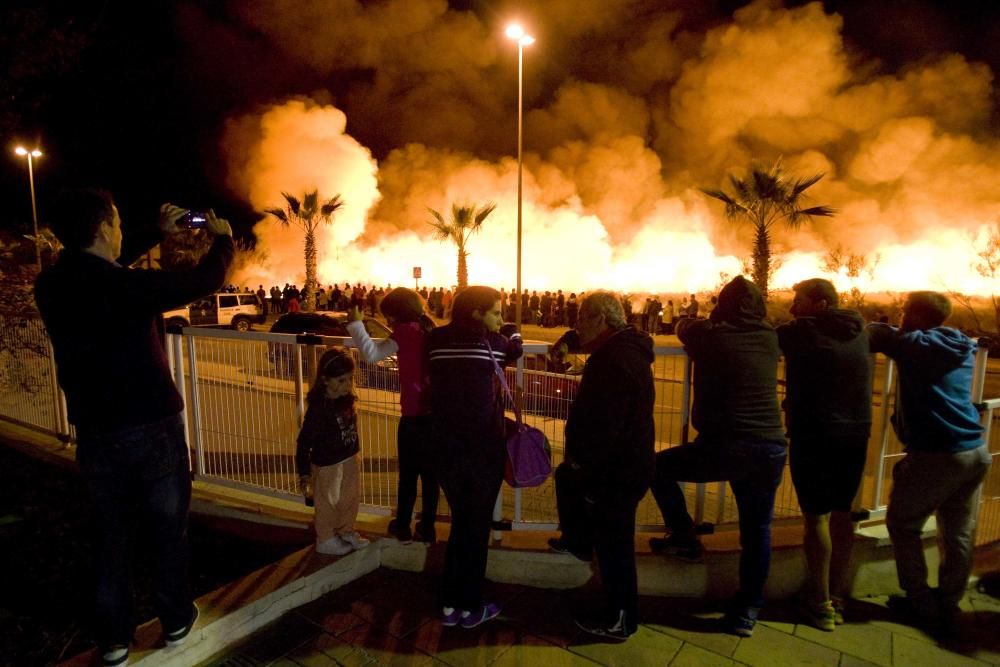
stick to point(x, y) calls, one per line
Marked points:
point(613, 164)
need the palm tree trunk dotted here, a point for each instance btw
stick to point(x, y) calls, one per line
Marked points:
point(463, 270)
point(762, 259)
point(309, 305)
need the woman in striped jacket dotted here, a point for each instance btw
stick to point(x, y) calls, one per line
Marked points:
point(467, 417)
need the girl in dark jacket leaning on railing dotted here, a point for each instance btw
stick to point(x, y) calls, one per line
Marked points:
point(467, 419)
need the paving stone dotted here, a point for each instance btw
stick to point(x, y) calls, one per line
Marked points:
point(645, 647)
point(693, 624)
point(694, 656)
point(333, 615)
point(915, 653)
point(384, 648)
point(850, 661)
point(533, 652)
point(865, 641)
point(328, 651)
point(458, 646)
point(543, 614)
point(769, 647)
point(274, 641)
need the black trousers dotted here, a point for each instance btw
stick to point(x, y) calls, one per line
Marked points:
point(606, 526)
point(470, 469)
point(415, 459)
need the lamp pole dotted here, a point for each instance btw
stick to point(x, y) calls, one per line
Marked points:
point(516, 32)
point(22, 151)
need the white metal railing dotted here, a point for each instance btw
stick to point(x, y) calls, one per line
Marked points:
point(245, 398)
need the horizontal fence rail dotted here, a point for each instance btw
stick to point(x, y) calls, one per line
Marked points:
point(245, 397)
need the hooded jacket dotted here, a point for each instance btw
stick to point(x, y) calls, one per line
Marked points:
point(735, 354)
point(828, 374)
point(609, 432)
point(934, 410)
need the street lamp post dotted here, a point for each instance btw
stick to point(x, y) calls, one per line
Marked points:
point(22, 151)
point(516, 32)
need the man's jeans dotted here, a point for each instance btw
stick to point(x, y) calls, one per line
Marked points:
point(753, 470)
point(139, 475)
point(947, 484)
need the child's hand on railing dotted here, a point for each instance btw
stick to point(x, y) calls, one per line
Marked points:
point(306, 489)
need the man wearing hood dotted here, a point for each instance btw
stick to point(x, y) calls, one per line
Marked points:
point(740, 439)
point(828, 415)
point(946, 459)
point(609, 457)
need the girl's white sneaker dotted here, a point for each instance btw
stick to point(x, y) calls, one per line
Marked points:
point(334, 547)
point(354, 539)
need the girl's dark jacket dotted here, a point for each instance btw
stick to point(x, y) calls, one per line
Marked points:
point(329, 434)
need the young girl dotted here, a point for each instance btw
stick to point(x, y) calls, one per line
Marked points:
point(404, 311)
point(327, 455)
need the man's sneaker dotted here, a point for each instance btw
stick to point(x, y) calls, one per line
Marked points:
point(838, 609)
point(334, 547)
point(450, 616)
point(177, 637)
point(820, 615)
point(559, 545)
point(400, 532)
point(114, 656)
point(741, 621)
point(471, 619)
point(684, 548)
point(617, 629)
point(354, 539)
point(425, 533)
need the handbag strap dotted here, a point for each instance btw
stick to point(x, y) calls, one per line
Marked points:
point(503, 382)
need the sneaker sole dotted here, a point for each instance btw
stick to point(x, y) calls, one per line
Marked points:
point(177, 641)
point(483, 619)
point(600, 633)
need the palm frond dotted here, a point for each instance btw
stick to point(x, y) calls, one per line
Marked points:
point(484, 213)
point(278, 213)
point(804, 184)
point(331, 206)
point(293, 203)
point(310, 203)
point(819, 211)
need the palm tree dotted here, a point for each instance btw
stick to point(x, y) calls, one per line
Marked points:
point(308, 215)
point(765, 196)
point(465, 221)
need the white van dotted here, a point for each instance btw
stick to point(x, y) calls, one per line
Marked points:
point(239, 310)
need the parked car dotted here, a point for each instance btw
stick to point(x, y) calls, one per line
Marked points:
point(383, 374)
point(239, 310)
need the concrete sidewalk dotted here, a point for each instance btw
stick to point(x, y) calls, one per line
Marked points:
point(389, 618)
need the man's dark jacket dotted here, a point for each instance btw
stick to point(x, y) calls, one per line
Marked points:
point(828, 374)
point(106, 328)
point(610, 432)
point(735, 354)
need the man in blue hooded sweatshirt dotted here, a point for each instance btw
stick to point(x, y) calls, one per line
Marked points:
point(946, 459)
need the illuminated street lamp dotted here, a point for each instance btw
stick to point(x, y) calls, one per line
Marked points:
point(517, 33)
point(22, 151)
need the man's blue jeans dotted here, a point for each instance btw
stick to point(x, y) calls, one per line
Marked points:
point(138, 476)
point(753, 470)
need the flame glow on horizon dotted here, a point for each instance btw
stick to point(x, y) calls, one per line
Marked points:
point(612, 172)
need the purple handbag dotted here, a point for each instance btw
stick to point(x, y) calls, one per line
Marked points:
point(529, 456)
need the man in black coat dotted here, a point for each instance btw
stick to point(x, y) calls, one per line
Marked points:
point(740, 439)
point(609, 458)
point(121, 397)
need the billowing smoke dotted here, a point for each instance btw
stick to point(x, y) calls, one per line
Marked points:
point(630, 108)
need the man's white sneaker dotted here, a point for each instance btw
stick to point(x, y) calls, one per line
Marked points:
point(334, 547)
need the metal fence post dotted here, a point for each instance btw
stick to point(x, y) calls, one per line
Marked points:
point(300, 397)
point(979, 370)
point(195, 408)
point(887, 387)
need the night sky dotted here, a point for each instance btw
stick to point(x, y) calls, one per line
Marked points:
point(135, 96)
